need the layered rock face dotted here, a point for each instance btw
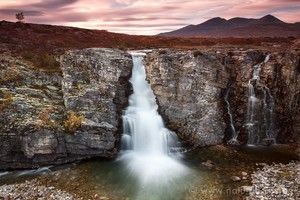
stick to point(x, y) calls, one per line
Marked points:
point(40, 108)
point(281, 75)
point(190, 88)
point(36, 103)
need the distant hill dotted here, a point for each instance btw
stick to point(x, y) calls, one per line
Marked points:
point(35, 40)
point(267, 26)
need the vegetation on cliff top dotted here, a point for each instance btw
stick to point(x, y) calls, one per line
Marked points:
point(36, 39)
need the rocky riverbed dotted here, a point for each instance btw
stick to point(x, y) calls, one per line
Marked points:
point(277, 181)
point(218, 172)
point(34, 190)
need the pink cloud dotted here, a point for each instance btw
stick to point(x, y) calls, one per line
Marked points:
point(144, 16)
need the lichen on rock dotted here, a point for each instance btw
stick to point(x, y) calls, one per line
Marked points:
point(93, 83)
point(187, 90)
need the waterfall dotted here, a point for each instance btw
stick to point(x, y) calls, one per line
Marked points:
point(234, 135)
point(268, 108)
point(146, 143)
point(259, 119)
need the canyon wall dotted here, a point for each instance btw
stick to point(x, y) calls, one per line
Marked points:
point(54, 116)
point(73, 112)
point(190, 87)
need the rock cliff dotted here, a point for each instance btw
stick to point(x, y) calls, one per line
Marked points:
point(190, 87)
point(35, 105)
point(281, 75)
point(73, 112)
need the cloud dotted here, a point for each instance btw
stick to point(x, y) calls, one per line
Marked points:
point(144, 16)
point(26, 13)
point(127, 25)
point(136, 19)
point(52, 4)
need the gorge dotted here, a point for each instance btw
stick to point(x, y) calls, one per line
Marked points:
point(91, 106)
point(93, 83)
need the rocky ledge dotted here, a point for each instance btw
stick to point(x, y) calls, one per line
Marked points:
point(72, 112)
point(277, 181)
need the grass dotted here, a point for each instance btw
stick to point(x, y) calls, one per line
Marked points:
point(162, 52)
point(43, 61)
point(73, 122)
point(36, 41)
point(10, 75)
point(6, 100)
point(197, 53)
point(44, 119)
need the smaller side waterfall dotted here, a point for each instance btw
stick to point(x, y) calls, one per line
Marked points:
point(268, 108)
point(259, 119)
point(234, 134)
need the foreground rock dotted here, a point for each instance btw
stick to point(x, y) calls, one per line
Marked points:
point(53, 116)
point(34, 190)
point(277, 181)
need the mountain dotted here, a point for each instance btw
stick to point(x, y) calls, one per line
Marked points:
point(267, 26)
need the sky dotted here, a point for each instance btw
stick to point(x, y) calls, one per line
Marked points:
point(143, 17)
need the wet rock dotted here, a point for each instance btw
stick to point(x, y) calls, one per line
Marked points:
point(280, 75)
point(103, 198)
point(208, 164)
point(247, 188)
point(235, 178)
point(262, 164)
point(244, 174)
point(190, 92)
point(267, 142)
point(277, 181)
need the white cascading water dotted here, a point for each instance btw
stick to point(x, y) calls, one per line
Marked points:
point(233, 140)
point(259, 121)
point(146, 142)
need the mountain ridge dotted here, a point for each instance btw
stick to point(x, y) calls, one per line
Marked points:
point(266, 26)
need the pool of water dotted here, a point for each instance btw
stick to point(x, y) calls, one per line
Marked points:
point(208, 177)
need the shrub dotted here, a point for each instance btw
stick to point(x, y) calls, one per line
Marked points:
point(46, 61)
point(42, 60)
point(20, 16)
point(162, 52)
point(6, 100)
point(43, 119)
point(197, 53)
point(10, 75)
point(79, 87)
point(73, 122)
point(28, 55)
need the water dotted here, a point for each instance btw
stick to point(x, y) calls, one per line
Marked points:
point(259, 119)
point(109, 178)
point(234, 134)
point(149, 149)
